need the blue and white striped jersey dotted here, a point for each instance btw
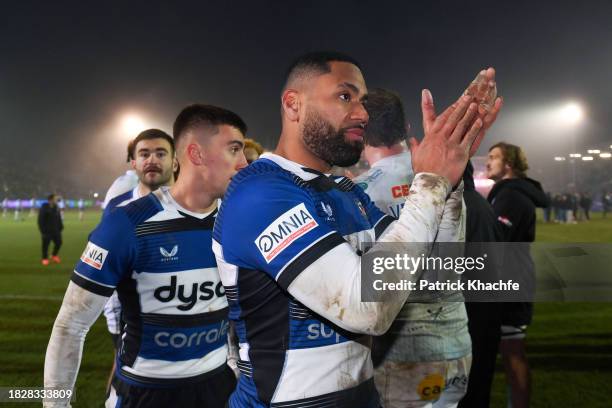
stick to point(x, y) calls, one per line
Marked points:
point(112, 308)
point(122, 184)
point(158, 257)
point(276, 219)
point(121, 200)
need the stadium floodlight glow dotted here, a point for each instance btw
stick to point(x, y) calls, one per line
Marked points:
point(587, 158)
point(572, 113)
point(559, 158)
point(605, 155)
point(594, 151)
point(132, 124)
point(95, 195)
point(575, 155)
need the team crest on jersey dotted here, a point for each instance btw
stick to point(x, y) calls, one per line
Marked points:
point(169, 256)
point(361, 209)
point(94, 255)
point(328, 210)
point(284, 230)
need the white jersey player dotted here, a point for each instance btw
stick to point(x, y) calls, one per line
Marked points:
point(426, 355)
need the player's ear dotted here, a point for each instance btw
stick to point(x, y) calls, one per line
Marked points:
point(133, 164)
point(290, 104)
point(175, 164)
point(195, 154)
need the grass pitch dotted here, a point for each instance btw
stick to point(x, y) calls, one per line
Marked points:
point(569, 344)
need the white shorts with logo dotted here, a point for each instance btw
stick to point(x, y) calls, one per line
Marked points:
point(434, 384)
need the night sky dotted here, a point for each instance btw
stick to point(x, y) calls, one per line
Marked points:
point(69, 72)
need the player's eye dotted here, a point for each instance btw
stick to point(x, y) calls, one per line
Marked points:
point(346, 97)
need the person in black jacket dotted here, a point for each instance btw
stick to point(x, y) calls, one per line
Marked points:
point(484, 318)
point(514, 198)
point(50, 225)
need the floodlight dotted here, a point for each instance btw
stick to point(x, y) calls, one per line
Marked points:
point(132, 125)
point(572, 113)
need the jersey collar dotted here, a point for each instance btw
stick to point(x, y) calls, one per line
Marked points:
point(166, 199)
point(302, 172)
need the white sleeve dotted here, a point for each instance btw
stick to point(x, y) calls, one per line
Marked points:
point(331, 286)
point(452, 225)
point(122, 184)
point(79, 311)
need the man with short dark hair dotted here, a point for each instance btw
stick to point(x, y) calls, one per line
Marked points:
point(390, 175)
point(429, 338)
point(289, 235)
point(156, 251)
point(514, 198)
point(50, 226)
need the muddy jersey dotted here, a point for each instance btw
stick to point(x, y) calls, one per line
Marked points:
point(433, 331)
point(276, 219)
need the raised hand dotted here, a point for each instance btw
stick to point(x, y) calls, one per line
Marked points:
point(484, 89)
point(455, 135)
point(445, 148)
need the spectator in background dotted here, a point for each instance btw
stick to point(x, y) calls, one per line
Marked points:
point(514, 198)
point(548, 209)
point(17, 215)
point(81, 206)
point(32, 207)
point(570, 205)
point(61, 204)
point(50, 226)
point(575, 202)
point(484, 318)
point(556, 206)
point(585, 205)
point(252, 150)
point(605, 202)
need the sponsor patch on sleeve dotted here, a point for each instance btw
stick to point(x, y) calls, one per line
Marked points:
point(94, 255)
point(284, 230)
